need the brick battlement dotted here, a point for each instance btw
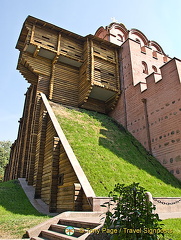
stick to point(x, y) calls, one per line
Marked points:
point(149, 106)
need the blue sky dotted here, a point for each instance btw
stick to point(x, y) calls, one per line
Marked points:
point(159, 20)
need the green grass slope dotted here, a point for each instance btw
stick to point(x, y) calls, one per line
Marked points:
point(16, 212)
point(109, 154)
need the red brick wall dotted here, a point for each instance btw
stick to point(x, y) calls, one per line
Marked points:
point(160, 127)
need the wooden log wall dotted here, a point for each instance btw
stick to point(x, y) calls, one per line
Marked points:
point(41, 36)
point(105, 73)
point(101, 69)
point(72, 48)
point(54, 175)
point(39, 147)
point(39, 162)
point(65, 67)
point(105, 66)
point(16, 151)
point(33, 140)
point(19, 153)
point(23, 138)
point(25, 37)
point(28, 134)
point(95, 105)
point(47, 165)
point(37, 65)
point(72, 65)
point(27, 130)
point(67, 178)
point(65, 90)
point(27, 74)
point(43, 84)
point(39, 156)
point(110, 105)
point(85, 75)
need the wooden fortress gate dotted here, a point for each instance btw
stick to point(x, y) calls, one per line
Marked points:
point(68, 69)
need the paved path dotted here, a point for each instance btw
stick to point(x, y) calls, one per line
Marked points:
point(37, 203)
point(43, 208)
point(170, 215)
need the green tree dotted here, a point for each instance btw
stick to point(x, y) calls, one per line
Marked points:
point(4, 156)
point(132, 214)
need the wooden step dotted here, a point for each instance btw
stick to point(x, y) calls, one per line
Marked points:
point(78, 224)
point(61, 229)
point(38, 238)
point(51, 235)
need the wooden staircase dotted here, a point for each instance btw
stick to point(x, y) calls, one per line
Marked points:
point(79, 228)
point(57, 231)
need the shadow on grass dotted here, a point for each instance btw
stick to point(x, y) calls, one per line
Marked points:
point(119, 141)
point(14, 200)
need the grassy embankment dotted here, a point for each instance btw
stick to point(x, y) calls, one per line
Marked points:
point(16, 212)
point(109, 154)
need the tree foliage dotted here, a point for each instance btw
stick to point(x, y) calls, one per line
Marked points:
point(132, 214)
point(4, 156)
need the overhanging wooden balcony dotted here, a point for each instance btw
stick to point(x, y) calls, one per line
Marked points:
point(70, 69)
point(99, 86)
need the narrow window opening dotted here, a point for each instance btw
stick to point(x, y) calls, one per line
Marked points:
point(144, 67)
point(111, 74)
point(154, 54)
point(96, 52)
point(65, 51)
point(50, 46)
point(138, 41)
point(103, 48)
point(47, 38)
point(38, 41)
point(154, 69)
point(61, 179)
point(120, 38)
point(71, 47)
point(97, 69)
point(77, 55)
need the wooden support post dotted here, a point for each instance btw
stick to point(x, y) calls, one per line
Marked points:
point(92, 62)
point(18, 149)
point(51, 82)
point(58, 43)
point(43, 129)
point(30, 110)
point(32, 34)
point(36, 51)
point(30, 130)
point(55, 175)
point(117, 71)
point(32, 152)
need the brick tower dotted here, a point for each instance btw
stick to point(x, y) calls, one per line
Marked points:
point(150, 103)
